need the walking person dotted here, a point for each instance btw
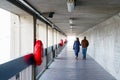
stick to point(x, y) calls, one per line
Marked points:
point(84, 44)
point(76, 47)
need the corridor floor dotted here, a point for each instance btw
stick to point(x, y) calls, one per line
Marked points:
point(66, 67)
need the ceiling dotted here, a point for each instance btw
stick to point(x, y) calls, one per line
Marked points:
point(87, 13)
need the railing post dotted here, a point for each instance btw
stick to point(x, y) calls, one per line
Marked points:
point(53, 51)
point(56, 50)
point(34, 66)
point(46, 46)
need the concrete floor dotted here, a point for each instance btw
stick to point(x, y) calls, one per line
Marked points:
point(66, 67)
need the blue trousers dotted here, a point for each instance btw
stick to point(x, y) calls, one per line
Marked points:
point(76, 54)
point(84, 50)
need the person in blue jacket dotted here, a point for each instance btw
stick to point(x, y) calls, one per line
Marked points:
point(76, 47)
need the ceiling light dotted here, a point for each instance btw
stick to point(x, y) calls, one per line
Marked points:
point(70, 5)
point(71, 27)
point(70, 21)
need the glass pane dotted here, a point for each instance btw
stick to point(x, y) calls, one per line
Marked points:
point(4, 36)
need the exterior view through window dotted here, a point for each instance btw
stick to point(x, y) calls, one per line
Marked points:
point(4, 36)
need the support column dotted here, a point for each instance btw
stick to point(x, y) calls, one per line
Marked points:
point(46, 46)
point(34, 66)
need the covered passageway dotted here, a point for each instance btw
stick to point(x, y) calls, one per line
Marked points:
point(35, 41)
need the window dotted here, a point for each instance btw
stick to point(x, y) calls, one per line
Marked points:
point(4, 36)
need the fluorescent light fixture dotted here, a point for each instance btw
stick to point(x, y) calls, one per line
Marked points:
point(71, 27)
point(70, 5)
point(70, 21)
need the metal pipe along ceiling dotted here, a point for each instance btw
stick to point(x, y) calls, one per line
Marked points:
point(28, 6)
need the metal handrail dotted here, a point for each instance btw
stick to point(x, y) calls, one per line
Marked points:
point(13, 67)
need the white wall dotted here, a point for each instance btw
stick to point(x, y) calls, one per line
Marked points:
point(50, 36)
point(55, 37)
point(26, 24)
point(26, 43)
point(58, 37)
point(15, 36)
point(22, 41)
point(41, 32)
point(21, 35)
point(104, 47)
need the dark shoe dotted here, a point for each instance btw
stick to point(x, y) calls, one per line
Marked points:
point(84, 58)
point(76, 58)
